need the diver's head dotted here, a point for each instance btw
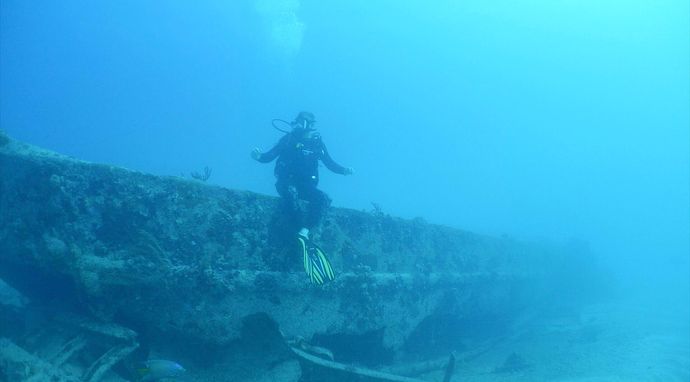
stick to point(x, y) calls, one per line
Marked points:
point(304, 120)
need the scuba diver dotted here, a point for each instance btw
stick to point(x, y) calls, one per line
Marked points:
point(297, 176)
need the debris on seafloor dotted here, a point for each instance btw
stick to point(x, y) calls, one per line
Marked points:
point(513, 364)
point(418, 368)
point(66, 347)
point(360, 373)
point(302, 344)
point(323, 358)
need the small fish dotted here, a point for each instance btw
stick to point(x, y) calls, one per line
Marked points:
point(156, 369)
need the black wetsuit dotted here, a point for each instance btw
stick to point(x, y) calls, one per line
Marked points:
point(297, 174)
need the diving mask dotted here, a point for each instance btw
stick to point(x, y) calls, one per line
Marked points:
point(305, 125)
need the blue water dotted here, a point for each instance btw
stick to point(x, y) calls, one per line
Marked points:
point(534, 119)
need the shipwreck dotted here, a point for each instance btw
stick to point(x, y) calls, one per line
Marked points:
point(101, 264)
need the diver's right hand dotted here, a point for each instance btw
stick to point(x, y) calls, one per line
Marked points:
point(256, 153)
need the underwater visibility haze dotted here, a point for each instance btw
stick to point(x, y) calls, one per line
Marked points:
point(556, 122)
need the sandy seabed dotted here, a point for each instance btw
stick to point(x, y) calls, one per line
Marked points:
point(629, 340)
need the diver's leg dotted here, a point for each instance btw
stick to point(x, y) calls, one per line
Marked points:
point(318, 204)
point(316, 263)
point(289, 201)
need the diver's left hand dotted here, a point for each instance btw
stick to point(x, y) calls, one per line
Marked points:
point(349, 171)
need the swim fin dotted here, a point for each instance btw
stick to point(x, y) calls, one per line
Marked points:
point(316, 264)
